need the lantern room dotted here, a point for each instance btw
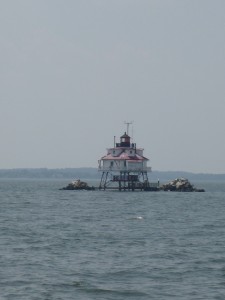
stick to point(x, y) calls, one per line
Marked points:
point(124, 141)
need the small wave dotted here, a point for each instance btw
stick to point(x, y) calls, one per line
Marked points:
point(94, 289)
point(136, 218)
point(115, 293)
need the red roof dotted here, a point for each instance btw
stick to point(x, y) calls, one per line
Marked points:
point(124, 156)
point(125, 135)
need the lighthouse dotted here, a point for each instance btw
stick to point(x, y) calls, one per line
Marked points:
point(124, 167)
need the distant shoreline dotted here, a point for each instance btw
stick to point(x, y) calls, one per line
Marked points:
point(92, 173)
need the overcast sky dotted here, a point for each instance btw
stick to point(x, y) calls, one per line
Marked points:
point(72, 71)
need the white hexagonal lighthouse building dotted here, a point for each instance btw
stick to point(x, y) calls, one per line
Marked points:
point(124, 167)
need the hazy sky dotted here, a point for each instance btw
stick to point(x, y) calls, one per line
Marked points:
point(72, 71)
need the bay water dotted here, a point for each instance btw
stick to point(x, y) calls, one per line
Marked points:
point(110, 245)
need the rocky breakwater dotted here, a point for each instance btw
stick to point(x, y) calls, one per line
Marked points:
point(180, 185)
point(78, 185)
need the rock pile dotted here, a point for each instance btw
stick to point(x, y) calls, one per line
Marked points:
point(78, 185)
point(180, 185)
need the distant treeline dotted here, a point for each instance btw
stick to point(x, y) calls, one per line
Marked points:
point(170, 175)
point(50, 173)
point(92, 173)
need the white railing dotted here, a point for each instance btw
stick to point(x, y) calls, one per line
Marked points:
point(124, 169)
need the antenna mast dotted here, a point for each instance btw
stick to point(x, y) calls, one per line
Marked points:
point(128, 124)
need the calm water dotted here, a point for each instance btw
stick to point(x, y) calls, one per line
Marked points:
point(110, 245)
